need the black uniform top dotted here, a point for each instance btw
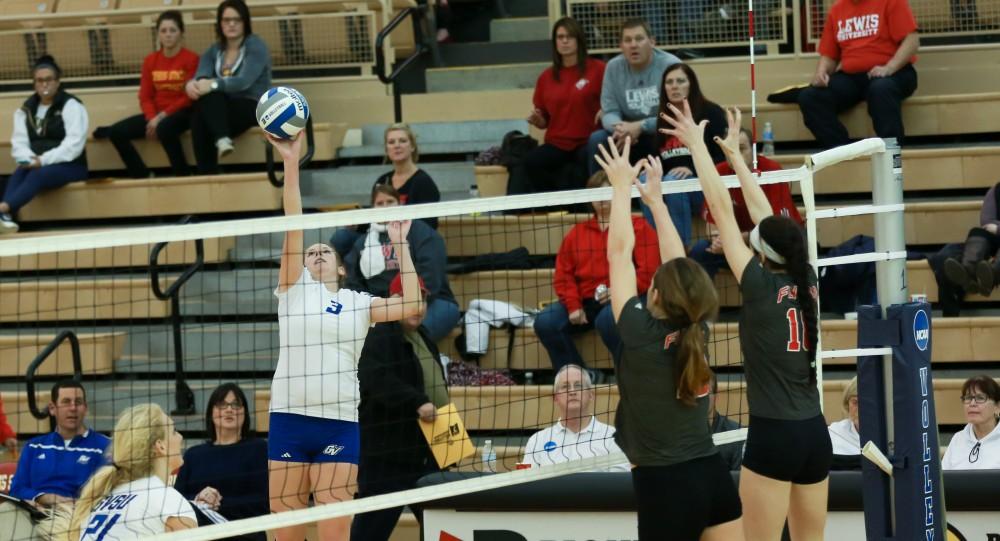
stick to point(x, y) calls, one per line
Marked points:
point(653, 427)
point(772, 335)
point(419, 188)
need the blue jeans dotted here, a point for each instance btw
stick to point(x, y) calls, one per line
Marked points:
point(555, 332)
point(681, 206)
point(441, 317)
point(709, 261)
point(24, 184)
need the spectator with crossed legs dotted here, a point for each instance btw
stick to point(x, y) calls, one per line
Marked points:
point(314, 440)
point(663, 373)
point(788, 451)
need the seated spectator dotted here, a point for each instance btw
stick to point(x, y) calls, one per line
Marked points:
point(581, 267)
point(402, 382)
point(372, 264)
point(866, 54)
point(577, 434)
point(228, 473)
point(567, 102)
point(977, 446)
point(413, 184)
point(166, 108)
point(629, 95)
point(844, 434)
point(129, 498)
point(731, 453)
point(48, 142)
point(708, 252)
point(54, 466)
point(679, 83)
point(8, 438)
point(978, 269)
point(232, 75)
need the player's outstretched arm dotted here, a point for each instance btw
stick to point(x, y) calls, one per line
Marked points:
point(291, 250)
point(396, 308)
point(757, 203)
point(692, 135)
point(670, 243)
point(621, 236)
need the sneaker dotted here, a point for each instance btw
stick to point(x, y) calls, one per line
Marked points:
point(7, 224)
point(225, 146)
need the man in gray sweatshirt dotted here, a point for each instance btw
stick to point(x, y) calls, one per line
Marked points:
point(630, 95)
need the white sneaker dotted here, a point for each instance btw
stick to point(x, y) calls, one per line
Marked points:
point(7, 224)
point(225, 146)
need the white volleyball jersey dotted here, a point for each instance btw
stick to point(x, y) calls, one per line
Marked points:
point(321, 336)
point(135, 510)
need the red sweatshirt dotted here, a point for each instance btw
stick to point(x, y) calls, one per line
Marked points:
point(779, 195)
point(6, 432)
point(582, 262)
point(866, 33)
point(571, 104)
point(161, 88)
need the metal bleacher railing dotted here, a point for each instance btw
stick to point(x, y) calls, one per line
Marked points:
point(111, 42)
point(700, 24)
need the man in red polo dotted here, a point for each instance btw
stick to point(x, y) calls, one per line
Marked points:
point(866, 53)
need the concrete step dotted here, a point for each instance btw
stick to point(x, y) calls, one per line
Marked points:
point(439, 137)
point(485, 53)
point(353, 183)
point(515, 29)
point(208, 348)
point(242, 292)
point(476, 78)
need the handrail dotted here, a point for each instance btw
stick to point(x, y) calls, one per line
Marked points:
point(418, 13)
point(183, 396)
point(29, 377)
point(272, 174)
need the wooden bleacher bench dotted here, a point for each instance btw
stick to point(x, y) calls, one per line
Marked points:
point(15, 405)
point(98, 352)
point(176, 253)
point(81, 299)
point(529, 407)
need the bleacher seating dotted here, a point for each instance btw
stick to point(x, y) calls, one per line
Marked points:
point(98, 352)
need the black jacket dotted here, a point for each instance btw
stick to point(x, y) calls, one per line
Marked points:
point(392, 388)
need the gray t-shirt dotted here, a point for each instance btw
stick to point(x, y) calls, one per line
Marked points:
point(628, 95)
point(654, 428)
point(775, 357)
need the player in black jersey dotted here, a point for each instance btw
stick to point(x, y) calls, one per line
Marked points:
point(788, 453)
point(682, 486)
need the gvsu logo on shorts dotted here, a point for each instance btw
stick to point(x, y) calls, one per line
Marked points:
point(921, 330)
point(332, 450)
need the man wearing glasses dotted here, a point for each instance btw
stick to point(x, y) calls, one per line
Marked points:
point(54, 466)
point(977, 446)
point(577, 434)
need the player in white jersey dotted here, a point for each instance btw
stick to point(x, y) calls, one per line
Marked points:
point(129, 498)
point(314, 440)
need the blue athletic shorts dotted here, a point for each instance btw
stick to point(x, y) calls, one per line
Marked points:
point(298, 438)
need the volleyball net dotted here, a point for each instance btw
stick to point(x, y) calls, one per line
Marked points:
point(167, 314)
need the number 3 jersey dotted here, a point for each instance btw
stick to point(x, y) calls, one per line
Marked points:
point(135, 510)
point(773, 339)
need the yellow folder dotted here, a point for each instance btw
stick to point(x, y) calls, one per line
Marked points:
point(447, 437)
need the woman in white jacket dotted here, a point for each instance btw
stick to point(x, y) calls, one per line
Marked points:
point(977, 446)
point(844, 433)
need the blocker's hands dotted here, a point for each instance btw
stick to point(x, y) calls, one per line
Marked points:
point(684, 128)
point(651, 191)
point(616, 164)
point(731, 144)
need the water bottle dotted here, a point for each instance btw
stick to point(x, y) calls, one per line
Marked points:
point(474, 194)
point(489, 457)
point(768, 139)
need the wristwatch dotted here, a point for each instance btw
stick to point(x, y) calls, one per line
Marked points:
point(215, 85)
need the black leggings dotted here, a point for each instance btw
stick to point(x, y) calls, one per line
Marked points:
point(168, 132)
point(679, 502)
point(217, 115)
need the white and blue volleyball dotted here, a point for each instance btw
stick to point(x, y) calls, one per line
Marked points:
point(282, 112)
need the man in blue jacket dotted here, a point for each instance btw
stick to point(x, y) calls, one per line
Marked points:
point(53, 467)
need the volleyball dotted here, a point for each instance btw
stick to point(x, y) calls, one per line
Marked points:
point(282, 111)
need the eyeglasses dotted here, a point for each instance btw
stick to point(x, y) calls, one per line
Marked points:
point(232, 20)
point(235, 406)
point(44, 80)
point(977, 398)
point(974, 453)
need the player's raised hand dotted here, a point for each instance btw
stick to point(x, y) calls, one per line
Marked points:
point(398, 231)
point(684, 128)
point(289, 149)
point(651, 191)
point(731, 144)
point(616, 164)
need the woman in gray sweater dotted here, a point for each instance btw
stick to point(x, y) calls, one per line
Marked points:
point(232, 75)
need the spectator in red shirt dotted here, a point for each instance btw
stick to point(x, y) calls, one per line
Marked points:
point(166, 108)
point(581, 266)
point(866, 54)
point(8, 438)
point(708, 252)
point(567, 101)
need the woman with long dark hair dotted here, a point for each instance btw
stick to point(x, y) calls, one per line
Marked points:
point(679, 83)
point(228, 473)
point(788, 453)
point(682, 486)
point(566, 102)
